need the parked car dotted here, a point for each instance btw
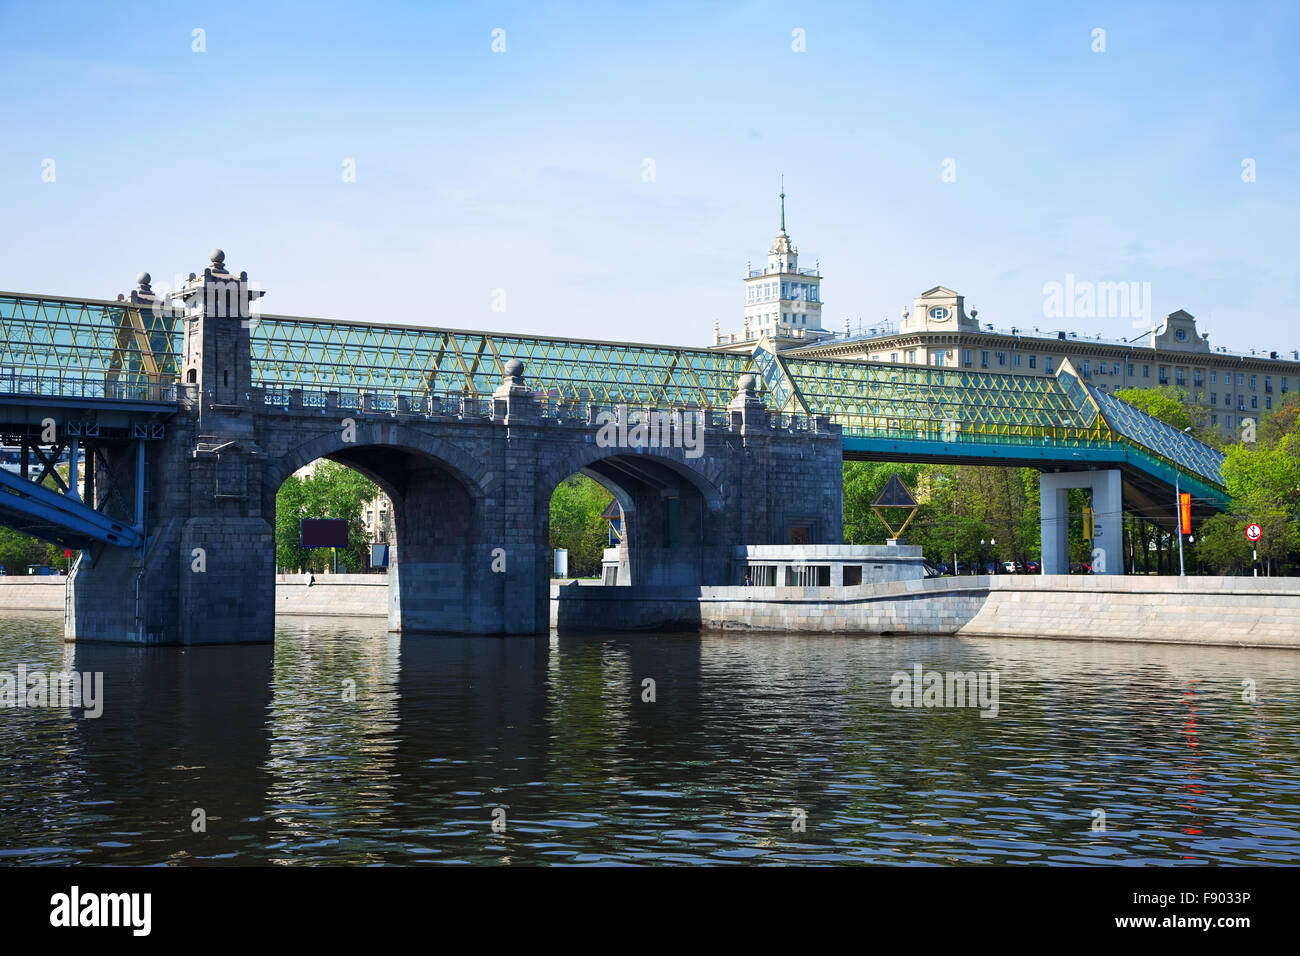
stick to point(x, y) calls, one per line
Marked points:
point(1033, 567)
point(1080, 568)
point(1013, 567)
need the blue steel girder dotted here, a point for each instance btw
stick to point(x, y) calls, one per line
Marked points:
point(59, 518)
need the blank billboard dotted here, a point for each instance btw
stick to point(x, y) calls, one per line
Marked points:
point(324, 533)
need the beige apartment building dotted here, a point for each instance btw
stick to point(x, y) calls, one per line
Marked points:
point(937, 332)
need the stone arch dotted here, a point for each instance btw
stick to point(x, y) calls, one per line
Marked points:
point(470, 471)
point(673, 459)
point(673, 510)
point(441, 496)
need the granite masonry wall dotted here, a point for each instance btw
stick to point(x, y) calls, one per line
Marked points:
point(31, 593)
point(1233, 611)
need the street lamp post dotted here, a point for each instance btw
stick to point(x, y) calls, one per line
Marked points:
point(985, 553)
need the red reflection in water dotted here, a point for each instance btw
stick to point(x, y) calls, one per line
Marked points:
point(1192, 762)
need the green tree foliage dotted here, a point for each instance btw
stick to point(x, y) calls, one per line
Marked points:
point(576, 524)
point(17, 551)
point(1263, 479)
point(331, 490)
point(960, 506)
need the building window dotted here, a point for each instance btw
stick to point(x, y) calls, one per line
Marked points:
point(893, 357)
point(1033, 361)
point(1268, 383)
point(1214, 376)
point(1240, 379)
point(1130, 370)
point(1002, 358)
point(1198, 379)
point(1214, 419)
point(1268, 402)
point(1047, 365)
point(1214, 398)
point(938, 359)
point(1015, 360)
point(1086, 369)
point(1227, 420)
point(1252, 382)
point(1146, 371)
point(911, 356)
point(984, 359)
point(1164, 375)
point(1241, 403)
point(1254, 401)
point(965, 357)
point(1180, 376)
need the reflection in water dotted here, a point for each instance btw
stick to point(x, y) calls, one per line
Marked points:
point(347, 744)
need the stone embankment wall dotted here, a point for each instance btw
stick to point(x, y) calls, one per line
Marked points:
point(1235, 611)
point(342, 595)
point(332, 595)
point(31, 592)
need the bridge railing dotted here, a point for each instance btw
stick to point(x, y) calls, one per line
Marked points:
point(949, 432)
point(429, 404)
point(65, 386)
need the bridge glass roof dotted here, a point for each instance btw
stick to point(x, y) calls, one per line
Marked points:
point(84, 348)
point(1164, 439)
point(322, 355)
point(91, 348)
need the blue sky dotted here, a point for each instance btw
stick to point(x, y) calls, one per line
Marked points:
point(522, 170)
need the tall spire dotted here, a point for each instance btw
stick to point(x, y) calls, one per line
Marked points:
point(783, 202)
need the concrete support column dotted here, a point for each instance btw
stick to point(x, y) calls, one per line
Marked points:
point(1108, 520)
point(1106, 488)
point(1053, 525)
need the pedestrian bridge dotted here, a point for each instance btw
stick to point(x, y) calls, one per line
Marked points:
point(124, 352)
point(180, 415)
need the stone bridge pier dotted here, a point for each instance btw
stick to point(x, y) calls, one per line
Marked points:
point(470, 480)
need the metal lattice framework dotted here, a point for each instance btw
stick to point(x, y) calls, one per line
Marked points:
point(322, 355)
point(954, 408)
point(85, 348)
point(96, 349)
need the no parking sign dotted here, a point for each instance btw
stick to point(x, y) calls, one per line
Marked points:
point(1253, 532)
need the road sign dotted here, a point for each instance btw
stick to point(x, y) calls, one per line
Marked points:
point(1253, 532)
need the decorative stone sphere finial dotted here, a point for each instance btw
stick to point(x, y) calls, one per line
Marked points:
point(218, 258)
point(746, 383)
point(142, 280)
point(514, 368)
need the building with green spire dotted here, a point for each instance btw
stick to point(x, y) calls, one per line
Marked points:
point(782, 301)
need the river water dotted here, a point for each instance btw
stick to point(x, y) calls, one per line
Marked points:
point(344, 744)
